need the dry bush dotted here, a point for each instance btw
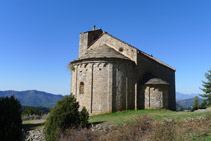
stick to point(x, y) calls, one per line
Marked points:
point(146, 129)
point(82, 134)
point(168, 131)
point(130, 132)
point(198, 127)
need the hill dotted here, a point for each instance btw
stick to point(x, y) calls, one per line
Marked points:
point(33, 98)
point(181, 96)
point(36, 98)
point(187, 103)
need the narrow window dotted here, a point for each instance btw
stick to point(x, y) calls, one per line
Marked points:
point(81, 89)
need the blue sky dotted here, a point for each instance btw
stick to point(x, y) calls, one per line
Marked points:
point(38, 38)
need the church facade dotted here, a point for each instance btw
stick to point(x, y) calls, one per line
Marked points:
point(110, 75)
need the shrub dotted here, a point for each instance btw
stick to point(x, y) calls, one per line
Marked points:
point(130, 132)
point(72, 68)
point(10, 119)
point(29, 111)
point(81, 135)
point(63, 116)
point(84, 116)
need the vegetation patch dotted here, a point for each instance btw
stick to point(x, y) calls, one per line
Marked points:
point(10, 119)
point(72, 68)
point(63, 116)
point(145, 128)
point(123, 117)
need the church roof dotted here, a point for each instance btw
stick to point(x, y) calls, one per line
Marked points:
point(139, 51)
point(156, 81)
point(104, 51)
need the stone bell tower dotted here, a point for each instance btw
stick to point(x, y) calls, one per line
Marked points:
point(86, 38)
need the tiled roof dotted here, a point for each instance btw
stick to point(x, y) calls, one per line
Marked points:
point(156, 81)
point(103, 51)
point(139, 51)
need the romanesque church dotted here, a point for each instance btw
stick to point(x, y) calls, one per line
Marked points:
point(110, 75)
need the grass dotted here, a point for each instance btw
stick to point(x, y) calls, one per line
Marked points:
point(32, 124)
point(146, 125)
point(145, 128)
point(131, 115)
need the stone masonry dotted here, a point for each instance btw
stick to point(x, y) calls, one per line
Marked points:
point(111, 75)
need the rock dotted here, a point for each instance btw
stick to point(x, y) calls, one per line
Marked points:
point(34, 135)
point(168, 119)
point(200, 110)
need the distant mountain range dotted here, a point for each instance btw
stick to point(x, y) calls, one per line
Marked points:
point(181, 96)
point(33, 97)
point(43, 99)
point(188, 103)
point(187, 100)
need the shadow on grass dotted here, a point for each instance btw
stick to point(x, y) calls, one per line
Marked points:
point(31, 126)
point(95, 123)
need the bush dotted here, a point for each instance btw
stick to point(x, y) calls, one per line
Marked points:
point(10, 119)
point(81, 135)
point(29, 111)
point(84, 116)
point(63, 116)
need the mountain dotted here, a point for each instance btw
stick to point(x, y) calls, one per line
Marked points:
point(187, 103)
point(180, 96)
point(186, 100)
point(42, 99)
point(33, 97)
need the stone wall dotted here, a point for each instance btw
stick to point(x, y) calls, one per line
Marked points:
point(86, 39)
point(82, 73)
point(97, 86)
point(108, 85)
point(123, 86)
point(100, 98)
point(148, 66)
point(116, 44)
point(156, 96)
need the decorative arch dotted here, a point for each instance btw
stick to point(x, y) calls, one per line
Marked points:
point(81, 88)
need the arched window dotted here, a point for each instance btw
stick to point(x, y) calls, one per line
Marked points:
point(81, 89)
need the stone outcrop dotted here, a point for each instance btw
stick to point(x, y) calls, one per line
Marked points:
point(34, 135)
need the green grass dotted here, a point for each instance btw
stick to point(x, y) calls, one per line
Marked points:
point(31, 125)
point(123, 117)
point(131, 115)
point(200, 136)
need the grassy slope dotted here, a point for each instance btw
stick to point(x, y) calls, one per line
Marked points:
point(129, 116)
point(33, 124)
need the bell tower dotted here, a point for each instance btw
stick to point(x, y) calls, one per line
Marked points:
point(86, 38)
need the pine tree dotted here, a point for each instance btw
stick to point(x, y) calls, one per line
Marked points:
point(207, 88)
point(195, 104)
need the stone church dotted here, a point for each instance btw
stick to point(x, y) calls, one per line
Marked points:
point(110, 75)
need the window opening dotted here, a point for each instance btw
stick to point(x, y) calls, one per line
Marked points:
point(81, 89)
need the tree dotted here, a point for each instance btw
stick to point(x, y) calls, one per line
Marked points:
point(207, 88)
point(195, 104)
point(203, 105)
point(63, 116)
point(10, 119)
point(84, 116)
